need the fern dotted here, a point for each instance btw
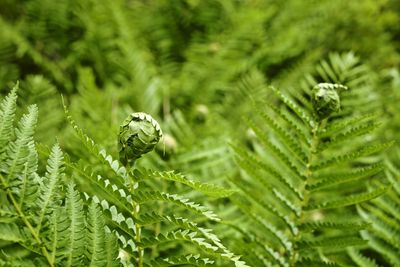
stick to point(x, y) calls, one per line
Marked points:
point(384, 231)
point(286, 182)
point(125, 196)
point(42, 216)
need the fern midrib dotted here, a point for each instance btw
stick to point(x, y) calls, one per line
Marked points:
point(135, 214)
point(74, 228)
point(307, 174)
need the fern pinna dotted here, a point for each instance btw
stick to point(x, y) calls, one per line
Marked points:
point(299, 187)
point(136, 205)
point(384, 233)
point(44, 219)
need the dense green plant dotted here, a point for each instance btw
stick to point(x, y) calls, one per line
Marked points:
point(192, 65)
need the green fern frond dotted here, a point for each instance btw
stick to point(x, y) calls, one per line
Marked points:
point(360, 260)
point(354, 131)
point(316, 263)
point(285, 184)
point(342, 226)
point(50, 185)
point(98, 153)
point(286, 138)
point(329, 180)
point(72, 229)
point(208, 189)
point(96, 237)
point(11, 233)
point(18, 153)
point(146, 196)
point(334, 242)
point(7, 113)
point(192, 237)
point(347, 201)
point(384, 234)
point(292, 166)
point(104, 187)
point(365, 151)
point(300, 112)
point(195, 260)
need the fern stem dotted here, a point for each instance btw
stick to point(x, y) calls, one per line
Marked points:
point(308, 174)
point(135, 213)
point(27, 223)
point(140, 250)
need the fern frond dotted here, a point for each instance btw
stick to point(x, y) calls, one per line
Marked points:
point(390, 253)
point(117, 194)
point(95, 237)
point(349, 134)
point(50, 185)
point(360, 260)
point(194, 239)
point(11, 232)
point(282, 156)
point(286, 138)
point(300, 112)
point(250, 164)
point(347, 201)
point(72, 229)
point(263, 205)
point(333, 242)
point(365, 151)
point(7, 113)
point(18, 152)
point(342, 125)
point(122, 222)
point(342, 226)
point(329, 180)
point(146, 196)
point(208, 189)
point(316, 263)
point(99, 154)
point(287, 188)
point(195, 260)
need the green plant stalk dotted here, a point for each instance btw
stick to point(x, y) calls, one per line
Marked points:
point(135, 214)
point(27, 223)
point(308, 173)
point(157, 229)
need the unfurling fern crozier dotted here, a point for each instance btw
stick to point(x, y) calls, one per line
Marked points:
point(139, 134)
point(325, 99)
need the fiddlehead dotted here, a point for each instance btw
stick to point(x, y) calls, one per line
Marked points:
point(325, 99)
point(139, 134)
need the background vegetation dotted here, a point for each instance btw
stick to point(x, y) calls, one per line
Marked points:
point(230, 84)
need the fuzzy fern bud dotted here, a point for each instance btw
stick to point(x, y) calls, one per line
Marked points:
point(139, 134)
point(325, 99)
